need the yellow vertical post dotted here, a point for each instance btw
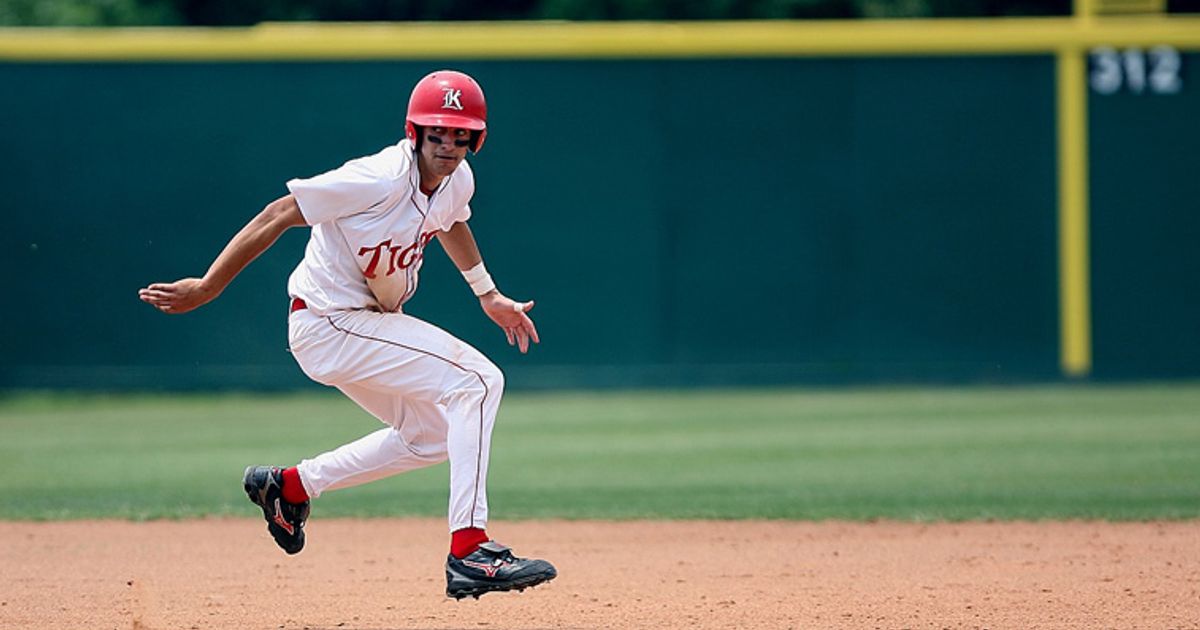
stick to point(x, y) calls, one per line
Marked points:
point(1075, 334)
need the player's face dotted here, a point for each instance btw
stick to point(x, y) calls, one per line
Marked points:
point(444, 148)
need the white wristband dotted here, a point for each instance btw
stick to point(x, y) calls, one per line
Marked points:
point(479, 279)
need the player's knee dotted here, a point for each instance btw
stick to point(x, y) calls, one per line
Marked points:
point(493, 379)
point(482, 381)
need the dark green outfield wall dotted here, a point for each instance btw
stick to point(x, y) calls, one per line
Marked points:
point(1145, 167)
point(678, 222)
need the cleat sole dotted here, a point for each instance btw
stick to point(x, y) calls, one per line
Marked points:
point(477, 591)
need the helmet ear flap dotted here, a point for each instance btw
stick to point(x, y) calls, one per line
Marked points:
point(477, 138)
point(414, 134)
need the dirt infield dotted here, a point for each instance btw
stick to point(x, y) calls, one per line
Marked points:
point(385, 574)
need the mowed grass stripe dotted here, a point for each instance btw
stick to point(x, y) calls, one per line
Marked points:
point(1112, 452)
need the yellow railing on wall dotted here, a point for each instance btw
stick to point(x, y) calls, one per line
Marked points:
point(572, 40)
point(1067, 38)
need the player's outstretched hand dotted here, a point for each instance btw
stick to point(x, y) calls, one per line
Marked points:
point(510, 315)
point(177, 297)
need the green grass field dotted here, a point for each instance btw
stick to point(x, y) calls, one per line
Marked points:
point(1120, 452)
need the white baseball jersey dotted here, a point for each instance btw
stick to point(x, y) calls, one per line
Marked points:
point(370, 224)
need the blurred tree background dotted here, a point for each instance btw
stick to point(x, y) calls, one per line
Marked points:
point(249, 12)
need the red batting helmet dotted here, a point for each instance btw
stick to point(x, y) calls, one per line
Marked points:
point(447, 98)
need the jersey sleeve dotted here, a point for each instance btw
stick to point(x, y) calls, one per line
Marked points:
point(462, 202)
point(458, 216)
point(356, 186)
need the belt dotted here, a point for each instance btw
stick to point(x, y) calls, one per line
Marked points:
point(297, 304)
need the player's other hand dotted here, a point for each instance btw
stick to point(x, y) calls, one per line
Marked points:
point(511, 316)
point(177, 297)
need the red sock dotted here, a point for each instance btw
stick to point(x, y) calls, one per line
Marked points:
point(293, 490)
point(465, 541)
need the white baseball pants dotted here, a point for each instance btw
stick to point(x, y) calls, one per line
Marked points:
point(437, 394)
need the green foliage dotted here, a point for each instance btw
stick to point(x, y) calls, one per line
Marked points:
point(1030, 453)
point(248, 12)
point(88, 13)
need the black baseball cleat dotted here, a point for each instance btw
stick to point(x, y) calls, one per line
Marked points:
point(285, 521)
point(493, 567)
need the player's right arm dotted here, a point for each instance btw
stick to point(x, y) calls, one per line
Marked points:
point(259, 234)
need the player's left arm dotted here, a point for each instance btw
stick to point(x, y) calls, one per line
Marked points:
point(510, 315)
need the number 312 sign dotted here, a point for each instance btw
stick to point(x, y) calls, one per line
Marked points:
point(1156, 71)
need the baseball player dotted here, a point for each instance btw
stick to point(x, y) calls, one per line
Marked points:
point(371, 220)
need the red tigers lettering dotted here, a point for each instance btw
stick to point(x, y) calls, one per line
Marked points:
point(399, 257)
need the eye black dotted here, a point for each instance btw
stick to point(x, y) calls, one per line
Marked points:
point(439, 140)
